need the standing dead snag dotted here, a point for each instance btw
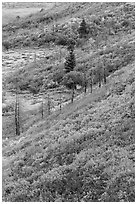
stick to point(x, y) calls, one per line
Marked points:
point(17, 121)
point(85, 81)
point(49, 104)
point(35, 57)
point(72, 96)
point(98, 71)
point(60, 55)
point(104, 74)
point(91, 81)
point(60, 101)
point(104, 70)
point(99, 75)
point(99, 78)
point(42, 111)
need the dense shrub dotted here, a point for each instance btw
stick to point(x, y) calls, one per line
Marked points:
point(61, 39)
point(58, 76)
point(72, 79)
point(50, 37)
point(7, 108)
point(6, 45)
point(26, 42)
point(122, 189)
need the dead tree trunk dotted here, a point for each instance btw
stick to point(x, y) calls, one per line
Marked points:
point(60, 55)
point(17, 122)
point(49, 103)
point(91, 82)
point(104, 75)
point(60, 101)
point(35, 57)
point(85, 81)
point(99, 73)
point(91, 86)
point(42, 109)
point(99, 79)
point(72, 97)
point(85, 87)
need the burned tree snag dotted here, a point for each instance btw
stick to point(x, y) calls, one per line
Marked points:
point(17, 119)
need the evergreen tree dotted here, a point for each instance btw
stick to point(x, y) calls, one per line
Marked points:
point(70, 62)
point(82, 29)
point(71, 44)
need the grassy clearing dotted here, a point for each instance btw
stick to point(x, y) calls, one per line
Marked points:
point(12, 10)
point(9, 15)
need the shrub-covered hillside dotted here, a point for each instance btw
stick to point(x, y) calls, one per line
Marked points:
point(84, 154)
point(61, 22)
point(84, 150)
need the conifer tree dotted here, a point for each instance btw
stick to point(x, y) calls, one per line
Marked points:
point(70, 62)
point(82, 29)
point(71, 44)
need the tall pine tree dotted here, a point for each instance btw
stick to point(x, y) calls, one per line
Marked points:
point(82, 29)
point(70, 62)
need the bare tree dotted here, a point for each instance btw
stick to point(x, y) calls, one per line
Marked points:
point(49, 105)
point(99, 68)
point(85, 80)
point(17, 118)
point(42, 111)
point(60, 55)
point(28, 58)
point(99, 73)
point(72, 96)
point(91, 81)
point(105, 63)
point(60, 102)
point(35, 57)
point(99, 79)
point(104, 74)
